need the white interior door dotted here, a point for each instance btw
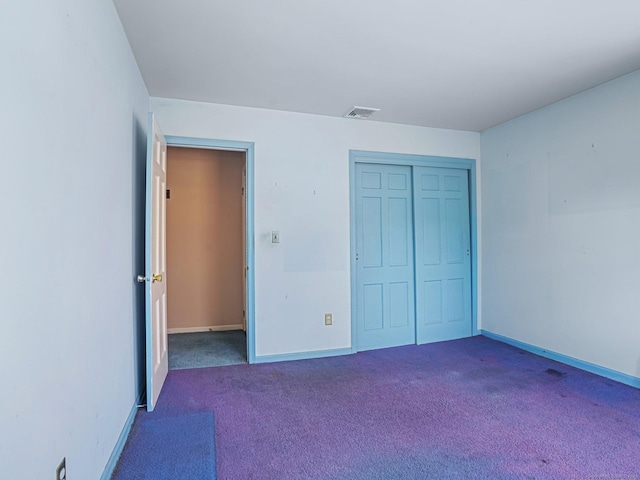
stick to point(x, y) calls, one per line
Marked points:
point(155, 259)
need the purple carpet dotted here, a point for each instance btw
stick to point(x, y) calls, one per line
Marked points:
point(466, 409)
point(169, 448)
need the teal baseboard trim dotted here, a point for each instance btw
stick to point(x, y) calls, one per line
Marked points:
point(117, 450)
point(574, 362)
point(285, 357)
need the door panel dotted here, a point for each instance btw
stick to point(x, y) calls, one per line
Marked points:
point(432, 301)
point(385, 310)
point(371, 245)
point(398, 304)
point(443, 262)
point(400, 234)
point(373, 314)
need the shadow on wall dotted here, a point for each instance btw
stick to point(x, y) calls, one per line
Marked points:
point(138, 166)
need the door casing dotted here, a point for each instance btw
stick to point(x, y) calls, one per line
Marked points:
point(248, 148)
point(360, 156)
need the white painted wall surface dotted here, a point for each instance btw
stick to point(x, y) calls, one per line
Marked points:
point(302, 190)
point(72, 120)
point(561, 227)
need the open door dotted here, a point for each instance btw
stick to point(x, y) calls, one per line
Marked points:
point(155, 264)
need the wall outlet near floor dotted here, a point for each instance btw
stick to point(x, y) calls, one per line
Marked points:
point(61, 471)
point(328, 318)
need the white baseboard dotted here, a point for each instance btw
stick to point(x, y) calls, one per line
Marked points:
point(211, 328)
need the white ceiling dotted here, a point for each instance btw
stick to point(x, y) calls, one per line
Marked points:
point(460, 64)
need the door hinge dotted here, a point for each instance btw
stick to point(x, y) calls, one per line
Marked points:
point(168, 193)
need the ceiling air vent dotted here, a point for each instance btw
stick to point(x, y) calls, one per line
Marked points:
point(361, 112)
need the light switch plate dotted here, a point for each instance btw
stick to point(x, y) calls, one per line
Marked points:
point(275, 236)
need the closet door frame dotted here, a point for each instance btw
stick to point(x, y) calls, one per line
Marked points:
point(468, 164)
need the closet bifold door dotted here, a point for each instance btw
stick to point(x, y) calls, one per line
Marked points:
point(442, 254)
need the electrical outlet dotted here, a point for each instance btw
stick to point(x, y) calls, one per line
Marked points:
point(61, 471)
point(328, 319)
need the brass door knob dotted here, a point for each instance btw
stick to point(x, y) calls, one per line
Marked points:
point(156, 278)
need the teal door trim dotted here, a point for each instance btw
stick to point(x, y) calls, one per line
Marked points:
point(360, 156)
point(248, 148)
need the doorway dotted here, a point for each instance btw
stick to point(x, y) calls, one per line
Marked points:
point(208, 254)
point(413, 249)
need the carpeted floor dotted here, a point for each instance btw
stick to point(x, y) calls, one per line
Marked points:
point(169, 448)
point(207, 349)
point(466, 409)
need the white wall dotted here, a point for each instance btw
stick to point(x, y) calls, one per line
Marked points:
point(72, 118)
point(561, 227)
point(302, 190)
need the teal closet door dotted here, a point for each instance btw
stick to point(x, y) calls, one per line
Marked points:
point(385, 310)
point(443, 262)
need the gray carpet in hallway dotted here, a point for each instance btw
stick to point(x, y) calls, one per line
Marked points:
point(207, 349)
